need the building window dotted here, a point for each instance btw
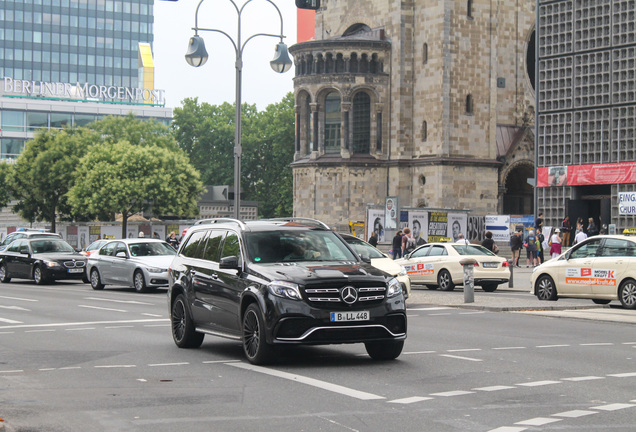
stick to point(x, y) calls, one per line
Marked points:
point(424, 131)
point(13, 121)
point(361, 122)
point(11, 148)
point(469, 9)
point(425, 53)
point(469, 104)
point(332, 122)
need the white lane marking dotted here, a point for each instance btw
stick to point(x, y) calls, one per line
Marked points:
point(575, 413)
point(410, 400)
point(8, 321)
point(510, 348)
point(220, 361)
point(309, 381)
point(153, 315)
point(19, 299)
point(118, 327)
point(623, 375)
point(508, 429)
point(629, 343)
point(114, 366)
point(46, 369)
point(157, 325)
point(39, 331)
point(169, 364)
point(597, 344)
point(439, 314)
point(453, 393)
point(583, 378)
point(551, 346)
point(7, 332)
point(102, 308)
point(119, 301)
point(613, 407)
point(494, 388)
point(538, 383)
point(461, 358)
point(464, 350)
point(80, 328)
point(85, 323)
point(428, 309)
point(418, 352)
point(15, 308)
point(472, 313)
point(538, 421)
point(11, 371)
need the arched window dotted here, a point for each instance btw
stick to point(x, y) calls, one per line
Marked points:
point(329, 64)
point(353, 63)
point(340, 68)
point(332, 123)
point(469, 104)
point(361, 123)
point(425, 53)
point(424, 131)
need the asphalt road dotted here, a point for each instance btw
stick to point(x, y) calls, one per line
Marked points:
point(74, 359)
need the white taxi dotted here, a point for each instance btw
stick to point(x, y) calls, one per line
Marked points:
point(600, 268)
point(437, 265)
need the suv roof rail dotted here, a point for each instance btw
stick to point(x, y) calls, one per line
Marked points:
point(306, 221)
point(220, 220)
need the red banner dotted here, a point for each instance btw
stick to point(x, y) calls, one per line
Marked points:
point(592, 174)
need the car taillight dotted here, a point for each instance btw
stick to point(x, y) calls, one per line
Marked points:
point(476, 264)
point(505, 264)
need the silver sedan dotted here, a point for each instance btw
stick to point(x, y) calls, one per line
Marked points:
point(139, 263)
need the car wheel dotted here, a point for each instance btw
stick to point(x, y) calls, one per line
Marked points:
point(489, 287)
point(96, 281)
point(183, 332)
point(4, 274)
point(255, 345)
point(545, 288)
point(445, 281)
point(389, 350)
point(431, 287)
point(139, 282)
point(38, 276)
point(601, 301)
point(627, 294)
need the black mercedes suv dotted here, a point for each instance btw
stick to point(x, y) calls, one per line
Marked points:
point(278, 282)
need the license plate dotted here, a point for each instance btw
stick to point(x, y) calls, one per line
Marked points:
point(350, 316)
point(76, 270)
point(490, 265)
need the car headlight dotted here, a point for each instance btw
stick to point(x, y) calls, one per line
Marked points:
point(402, 271)
point(395, 288)
point(285, 290)
point(155, 270)
point(51, 263)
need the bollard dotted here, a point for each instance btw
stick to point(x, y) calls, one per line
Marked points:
point(511, 283)
point(469, 279)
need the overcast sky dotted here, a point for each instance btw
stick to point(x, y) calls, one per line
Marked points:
point(214, 82)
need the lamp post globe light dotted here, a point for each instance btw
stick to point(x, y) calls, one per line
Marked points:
point(197, 55)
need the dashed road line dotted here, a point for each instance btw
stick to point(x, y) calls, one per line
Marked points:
point(538, 421)
point(552, 346)
point(410, 400)
point(19, 299)
point(510, 348)
point(452, 393)
point(494, 388)
point(583, 378)
point(460, 357)
point(538, 383)
point(18, 308)
point(574, 413)
point(102, 308)
point(119, 301)
point(8, 321)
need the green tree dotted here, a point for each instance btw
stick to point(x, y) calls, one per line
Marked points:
point(125, 178)
point(113, 129)
point(44, 173)
point(5, 195)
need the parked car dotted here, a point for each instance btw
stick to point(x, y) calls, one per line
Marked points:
point(437, 265)
point(26, 233)
point(93, 247)
point(270, 283)
point(44, 260)
point(380, 261)
point(135, 262)
point(600, 268)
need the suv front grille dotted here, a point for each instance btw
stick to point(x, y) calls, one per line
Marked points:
point(333, 294)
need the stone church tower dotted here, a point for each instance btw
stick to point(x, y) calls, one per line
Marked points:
point(429, 101)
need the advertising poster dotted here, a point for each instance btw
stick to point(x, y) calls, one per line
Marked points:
point(499, 226)
point(111, 232)
point(71, 236)
point(589, 174)
point(391, 213)
point(457, 224)
point(95, 232)
point(627, 203)
point(476, 229)
point(418, 222)
point(437, 225)
point(82, 235)
point(375, 218)
point(159, 231)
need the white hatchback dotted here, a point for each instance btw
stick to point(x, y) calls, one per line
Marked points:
point(600, 268)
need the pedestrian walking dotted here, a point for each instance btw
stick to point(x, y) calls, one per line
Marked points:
point(555, 244)
point(592, 229)
point(489, 243)
point(566, 229)
point(408, 242)
point(580, 236)
point(515, 246)
point(172, 240)
point(373, 240)
point(530, 243)
point(396, 244)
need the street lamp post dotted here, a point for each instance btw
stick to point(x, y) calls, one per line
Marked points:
point(197, 56)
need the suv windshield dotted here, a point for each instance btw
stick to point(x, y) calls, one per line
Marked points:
point(291, 245)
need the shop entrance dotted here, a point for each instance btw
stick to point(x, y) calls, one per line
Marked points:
point(591, 202)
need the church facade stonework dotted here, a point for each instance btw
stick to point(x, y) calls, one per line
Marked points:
point(429, 101)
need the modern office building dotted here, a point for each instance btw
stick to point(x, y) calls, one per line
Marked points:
point(586, 111)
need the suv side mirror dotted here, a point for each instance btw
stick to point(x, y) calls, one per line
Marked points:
point(365, 258)
point(230, 262)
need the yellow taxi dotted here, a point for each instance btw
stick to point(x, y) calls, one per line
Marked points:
point(437, 265)
point(601, 268)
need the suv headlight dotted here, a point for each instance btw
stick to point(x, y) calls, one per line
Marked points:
point(402, 271)
point(51, 263)
point(394, 288)
point(285, 290)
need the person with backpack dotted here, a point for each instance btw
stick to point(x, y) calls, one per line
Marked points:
point(408, 242)
point(531, 248)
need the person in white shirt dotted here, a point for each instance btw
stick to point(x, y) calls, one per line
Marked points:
point(461, 239)
point(580, 236)
point(555, 244)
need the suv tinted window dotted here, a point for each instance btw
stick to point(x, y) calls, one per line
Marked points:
point(195, 244)
point(109, 249)
point(212, 248)
point(231, 246)
point(15, 247)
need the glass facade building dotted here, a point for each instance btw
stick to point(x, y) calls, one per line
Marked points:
point(71, 41)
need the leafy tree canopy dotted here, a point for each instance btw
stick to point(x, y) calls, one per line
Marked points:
point(5, 195)
point(137, 132)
